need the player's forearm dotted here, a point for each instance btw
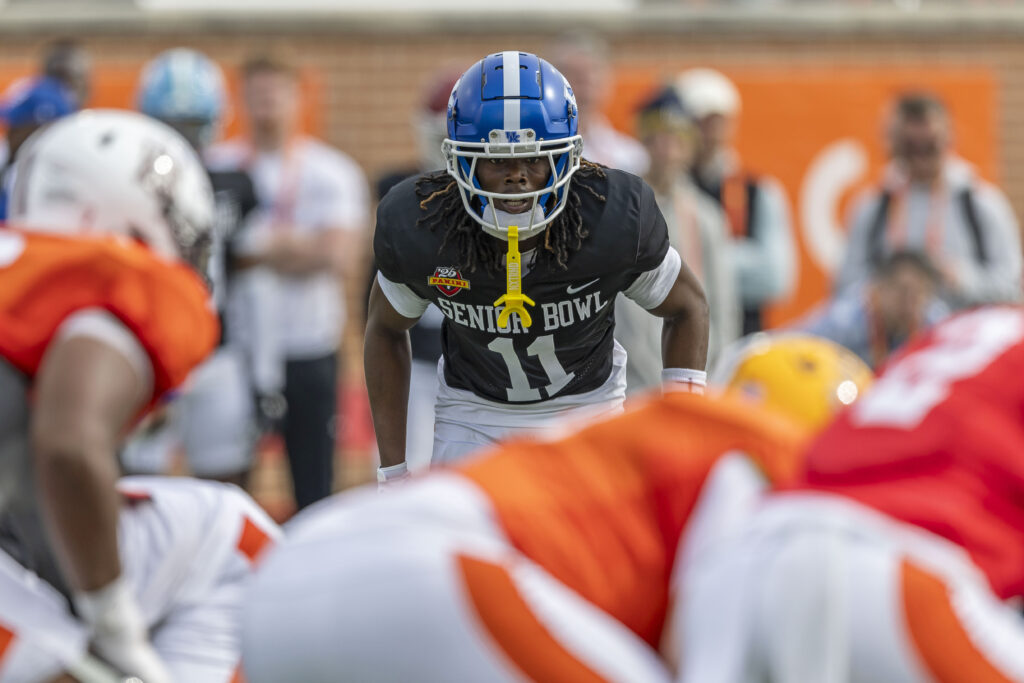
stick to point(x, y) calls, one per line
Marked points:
point(684, 337)
point(76, 479)
point(387, 359)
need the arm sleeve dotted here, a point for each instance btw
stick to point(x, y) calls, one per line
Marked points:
point(168, 309)
point(402, 298)
point(765, 264)
point(998, 280)
point(98, 324)
point(650, 289)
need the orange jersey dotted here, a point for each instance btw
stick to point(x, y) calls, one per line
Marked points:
point(46, 278)
point(604, 510)
point(937, 441)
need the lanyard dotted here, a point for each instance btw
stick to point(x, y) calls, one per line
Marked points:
point(935, 227)
point(513, 298)
point(734, 203)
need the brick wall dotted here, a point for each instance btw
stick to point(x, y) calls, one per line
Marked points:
point(372, 78)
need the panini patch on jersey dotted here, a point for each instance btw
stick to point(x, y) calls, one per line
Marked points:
point(448, 281)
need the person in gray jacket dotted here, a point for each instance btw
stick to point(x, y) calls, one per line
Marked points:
point(933, 202)
point(756, 206)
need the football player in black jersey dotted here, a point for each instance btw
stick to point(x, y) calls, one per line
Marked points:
point(522, 245)
point(216, 419)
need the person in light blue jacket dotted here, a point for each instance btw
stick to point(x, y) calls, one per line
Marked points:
point(875, 317)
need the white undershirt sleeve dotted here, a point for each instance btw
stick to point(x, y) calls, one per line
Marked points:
point(104, 327)
point(404, 300)
point(650, 289)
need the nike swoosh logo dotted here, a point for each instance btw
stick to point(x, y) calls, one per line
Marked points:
point(572, 290)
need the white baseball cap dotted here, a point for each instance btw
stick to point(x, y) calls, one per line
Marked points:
point(706, 91)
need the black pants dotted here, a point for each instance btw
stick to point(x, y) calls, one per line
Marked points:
point(310, 429)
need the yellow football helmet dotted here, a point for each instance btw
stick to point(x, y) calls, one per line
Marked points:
point(806, 377)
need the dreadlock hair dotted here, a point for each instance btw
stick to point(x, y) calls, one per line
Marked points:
point(562, 237)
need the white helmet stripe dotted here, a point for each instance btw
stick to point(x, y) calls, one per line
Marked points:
point(510, 72)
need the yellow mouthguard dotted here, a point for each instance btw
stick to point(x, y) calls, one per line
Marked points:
point(513, 298)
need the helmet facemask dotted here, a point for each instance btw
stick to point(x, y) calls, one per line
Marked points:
point(192, 235)
point(563, 155)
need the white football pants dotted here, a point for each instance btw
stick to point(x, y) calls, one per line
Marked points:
point(821, 589)
point(187, 551)
point(419, 584)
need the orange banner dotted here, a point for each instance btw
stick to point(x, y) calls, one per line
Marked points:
point(819, 131)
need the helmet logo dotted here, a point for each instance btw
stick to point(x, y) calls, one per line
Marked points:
point(512, 136)
point(448, 280)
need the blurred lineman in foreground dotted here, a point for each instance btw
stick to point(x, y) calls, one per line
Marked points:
point(105, 311)
point(544, 560)
point(898, 553)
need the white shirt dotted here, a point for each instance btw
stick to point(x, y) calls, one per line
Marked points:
point(605, 145)
point(309, 187)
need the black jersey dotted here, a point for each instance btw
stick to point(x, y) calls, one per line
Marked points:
point(234, 198)
point(568, 348)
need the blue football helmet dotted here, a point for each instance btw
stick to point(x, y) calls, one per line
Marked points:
point(513, 104)
point(185, 89)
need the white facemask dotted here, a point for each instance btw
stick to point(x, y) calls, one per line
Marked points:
point(496, 222)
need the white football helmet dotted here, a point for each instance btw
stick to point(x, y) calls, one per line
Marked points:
point(115, 172)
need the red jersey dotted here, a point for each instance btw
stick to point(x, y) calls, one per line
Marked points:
point(938, 441)
point(604, 510)
point(46, 278)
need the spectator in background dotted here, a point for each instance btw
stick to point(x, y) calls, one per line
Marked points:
point(315, 198)
point(933, 202)
point(583, 60)
point(214, 417)
point(874, 318)
point(430, 126)
point(696, 228)
point(30, 106)
point(756, 206)
point(67, 61)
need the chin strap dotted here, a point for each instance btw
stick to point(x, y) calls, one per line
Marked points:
point(513, 298)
